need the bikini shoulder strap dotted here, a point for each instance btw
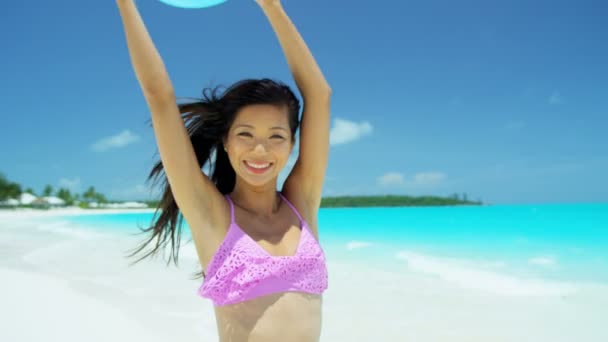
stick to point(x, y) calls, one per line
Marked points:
point(231, 208)
point(292, 207)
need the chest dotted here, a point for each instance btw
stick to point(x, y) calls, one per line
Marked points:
point(277, 239)
point(279, 236)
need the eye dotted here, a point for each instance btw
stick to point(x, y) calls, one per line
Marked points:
point(245, 134)
point(277, 136)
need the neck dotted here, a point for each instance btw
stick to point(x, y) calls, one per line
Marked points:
point(260, 202)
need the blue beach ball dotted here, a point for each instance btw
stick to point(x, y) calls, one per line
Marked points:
point(193, 3)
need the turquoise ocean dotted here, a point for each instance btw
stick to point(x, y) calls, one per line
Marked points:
point(509, 248)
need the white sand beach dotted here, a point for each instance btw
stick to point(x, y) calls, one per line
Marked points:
point(62, 284)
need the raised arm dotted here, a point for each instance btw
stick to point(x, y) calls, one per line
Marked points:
point(308, 173)
point(194, 193)
point(147, 63)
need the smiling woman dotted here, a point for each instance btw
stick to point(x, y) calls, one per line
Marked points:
point(262, 290)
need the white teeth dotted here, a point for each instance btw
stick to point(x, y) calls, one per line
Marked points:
point(258, 166)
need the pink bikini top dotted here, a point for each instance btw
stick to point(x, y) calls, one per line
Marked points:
point(241, 269)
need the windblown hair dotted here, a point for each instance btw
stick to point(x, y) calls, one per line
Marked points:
point(208, 122)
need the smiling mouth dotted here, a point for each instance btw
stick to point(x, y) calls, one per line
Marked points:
point(258, 167)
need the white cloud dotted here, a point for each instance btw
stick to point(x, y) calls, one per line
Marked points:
point(555, 98)
point(428, 178)
point(391, 178)
point(345, 131)
point(71, 184)
point(119, 140)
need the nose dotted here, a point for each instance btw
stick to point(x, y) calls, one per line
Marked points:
point(259, 146)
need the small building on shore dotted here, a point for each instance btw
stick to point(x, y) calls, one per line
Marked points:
point(26, 198)
point(48, 202)
point(9, 203)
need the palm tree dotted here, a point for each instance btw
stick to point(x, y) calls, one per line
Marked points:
point(89, 195)
point(8, 189)
point(48, 190)
point(65, 195)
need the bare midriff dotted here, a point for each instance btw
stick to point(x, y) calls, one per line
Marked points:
point(289, 316)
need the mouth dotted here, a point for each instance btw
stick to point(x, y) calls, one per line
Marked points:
point(258, 167)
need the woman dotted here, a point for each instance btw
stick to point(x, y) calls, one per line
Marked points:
point(264, 269)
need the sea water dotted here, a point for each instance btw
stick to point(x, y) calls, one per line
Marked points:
point(519, 249)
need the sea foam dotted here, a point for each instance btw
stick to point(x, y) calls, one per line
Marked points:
point(357, 244)
point(464, 273)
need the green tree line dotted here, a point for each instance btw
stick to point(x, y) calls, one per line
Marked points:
point(394, 201)
point(10, 189)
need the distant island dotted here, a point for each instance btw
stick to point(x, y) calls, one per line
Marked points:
point(12, 196)
point(394, 201)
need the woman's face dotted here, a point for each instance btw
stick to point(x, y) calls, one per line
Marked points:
point(259, 143)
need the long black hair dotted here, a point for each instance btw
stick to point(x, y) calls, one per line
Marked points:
point(208, 122)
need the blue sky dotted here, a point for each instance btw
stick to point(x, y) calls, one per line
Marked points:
point(506, 101)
